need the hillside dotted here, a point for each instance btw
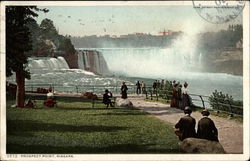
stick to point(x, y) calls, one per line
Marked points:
point(47, 42)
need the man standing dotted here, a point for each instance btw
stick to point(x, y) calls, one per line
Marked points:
point(143, 87)
point(206, 127)
point(154, 86)
point(138, 87)
point(186, 125)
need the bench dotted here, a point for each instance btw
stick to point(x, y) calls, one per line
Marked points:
point(100, 100)
point(34, 97)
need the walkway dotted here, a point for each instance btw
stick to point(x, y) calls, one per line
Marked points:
point(230, 132)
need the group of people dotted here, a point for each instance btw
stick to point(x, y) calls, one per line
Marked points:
point(185, 128)
point(180, 96)
point(140, 87)
point(108, 95)
point(157, 84)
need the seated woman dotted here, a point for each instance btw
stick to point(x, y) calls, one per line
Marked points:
point(29, 104)
point(106, 98)
point(50, 99)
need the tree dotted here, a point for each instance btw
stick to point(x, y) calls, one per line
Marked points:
point(18, 42)
point(67, 46)
point(48, 29)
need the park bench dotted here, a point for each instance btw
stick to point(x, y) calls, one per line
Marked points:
point(100, 100)
point(36, 97)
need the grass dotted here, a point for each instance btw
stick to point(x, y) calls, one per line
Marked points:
point(77, 128)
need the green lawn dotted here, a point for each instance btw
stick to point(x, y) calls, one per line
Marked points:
point(77, 128)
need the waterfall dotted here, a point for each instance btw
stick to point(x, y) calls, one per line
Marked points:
point(150, 62)
point(200, 58)
point(93, 61)
point(47, 63)
point(86, 59)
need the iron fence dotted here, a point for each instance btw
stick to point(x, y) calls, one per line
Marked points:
point(197, 100)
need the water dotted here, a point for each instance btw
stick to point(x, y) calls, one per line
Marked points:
point(170, 64)
point(130, 65)
point(93, 61)
point(48, 63)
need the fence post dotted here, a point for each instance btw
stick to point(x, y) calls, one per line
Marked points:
point(157, 94)
point(230, 108)
point(202, 102)
point(166, 95)
point(93, 103)
point(76, 89)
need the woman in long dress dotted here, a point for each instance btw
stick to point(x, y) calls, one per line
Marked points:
point(185, 96)
point(124, 89)
point(174, 97)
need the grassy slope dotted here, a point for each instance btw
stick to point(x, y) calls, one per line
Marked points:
point(78, 128)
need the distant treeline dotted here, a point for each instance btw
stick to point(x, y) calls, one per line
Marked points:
point(131, 40)
point(222, 39)
point(207, 40)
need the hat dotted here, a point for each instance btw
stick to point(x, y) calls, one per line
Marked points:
point(106, 90)
point(187, 110)
point(205, 112)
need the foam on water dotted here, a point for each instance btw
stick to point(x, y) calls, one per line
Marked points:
point(47, 63)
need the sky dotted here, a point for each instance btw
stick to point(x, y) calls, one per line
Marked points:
point(122, 20)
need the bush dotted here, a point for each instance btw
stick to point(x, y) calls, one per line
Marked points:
point(225, 102)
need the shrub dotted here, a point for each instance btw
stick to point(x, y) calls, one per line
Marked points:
point(225, 102)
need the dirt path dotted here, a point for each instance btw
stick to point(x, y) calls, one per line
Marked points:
point(230, 132)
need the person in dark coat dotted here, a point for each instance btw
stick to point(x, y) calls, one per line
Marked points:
point(106, 98)
point(154, 86)
point(206, 128)
point(124, 89)
point(179, 96)
point(138, 87)
point(174, 96)
point(186, 125)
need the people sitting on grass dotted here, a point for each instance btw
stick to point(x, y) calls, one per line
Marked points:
point(106, 98)
point(29, 104)
point(50, 102)
point(185, 128)
point(206, 128)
